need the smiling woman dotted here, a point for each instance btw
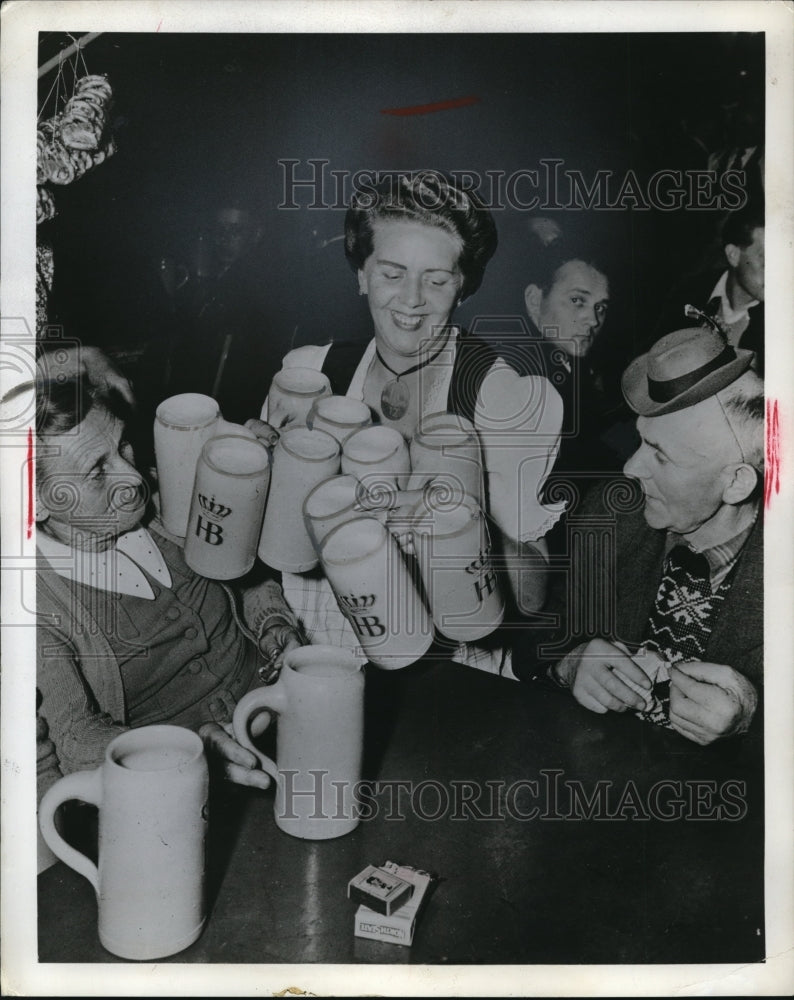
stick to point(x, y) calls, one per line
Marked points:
point(419, 244)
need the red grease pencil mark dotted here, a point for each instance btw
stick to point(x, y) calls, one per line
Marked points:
point(772, 469)
point(31, 518)
point(158, 26)
point(426, 109)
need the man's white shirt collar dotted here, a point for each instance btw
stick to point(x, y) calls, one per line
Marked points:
point(116, 570)
point(729, 314)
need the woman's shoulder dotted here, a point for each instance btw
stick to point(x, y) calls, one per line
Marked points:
point(508, 400)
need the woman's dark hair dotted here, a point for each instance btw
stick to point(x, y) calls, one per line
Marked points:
point(433, 199)
point(63, 404)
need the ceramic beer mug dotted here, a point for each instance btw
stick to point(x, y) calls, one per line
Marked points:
point(302, 458)
point(374, 590)
point(331, 502)
point(446, 450)
point(182, 426)
point(454, 555)
point(292, 394)
point(319, 703)
point(228, 505)
point(340, 416)
point(151, 792)
point(378, 457)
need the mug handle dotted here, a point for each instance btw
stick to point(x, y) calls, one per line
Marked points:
point(87, 787)
point(273, 698)
point(227, 427)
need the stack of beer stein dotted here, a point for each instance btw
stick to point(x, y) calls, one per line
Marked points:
point(398, 529)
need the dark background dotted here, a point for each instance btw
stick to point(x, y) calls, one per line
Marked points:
point(202, 119)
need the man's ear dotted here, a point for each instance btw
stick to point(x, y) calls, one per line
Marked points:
point(362, 282)
point(533, 297)
point(732, 253)
point(741, 483)
point(41, 511)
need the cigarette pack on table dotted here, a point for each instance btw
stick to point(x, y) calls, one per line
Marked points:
point(380, 890)
point(399, 926)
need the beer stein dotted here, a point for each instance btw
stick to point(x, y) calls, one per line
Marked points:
point(454, 556)
point(340, 416)
point(182, 426)
point(446, 450)
point(378, 457)
point(319, 703)
point(331, 502)
point(302, 458)
point(375, 592)
point(228, 506)
point(292, 394)
point(152, 795)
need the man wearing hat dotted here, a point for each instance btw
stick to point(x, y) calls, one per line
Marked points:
point(680, 577)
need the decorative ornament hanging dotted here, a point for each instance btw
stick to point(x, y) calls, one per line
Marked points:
point(73, 141)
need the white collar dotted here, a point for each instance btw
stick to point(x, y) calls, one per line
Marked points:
point(729, 314)
point(116, 570)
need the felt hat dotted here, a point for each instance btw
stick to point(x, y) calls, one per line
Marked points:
point(681, 369)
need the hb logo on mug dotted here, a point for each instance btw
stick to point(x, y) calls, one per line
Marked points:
point(215, 512)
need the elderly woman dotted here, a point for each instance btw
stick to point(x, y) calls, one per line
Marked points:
point(419, 245)
point(128, 634)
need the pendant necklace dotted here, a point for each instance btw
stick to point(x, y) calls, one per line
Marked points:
point(395, 397)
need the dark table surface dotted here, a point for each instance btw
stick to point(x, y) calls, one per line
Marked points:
point(666, 868)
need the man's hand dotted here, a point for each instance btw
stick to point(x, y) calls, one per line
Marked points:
point(604, 678)
point(709, 701)
point(277, 639)
point(237, 763)
point(266, 433)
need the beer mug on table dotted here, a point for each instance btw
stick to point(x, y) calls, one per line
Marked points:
point(318, 702)
point(151, 792)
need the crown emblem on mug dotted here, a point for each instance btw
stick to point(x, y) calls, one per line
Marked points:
point(212, 508)
point(360, 603)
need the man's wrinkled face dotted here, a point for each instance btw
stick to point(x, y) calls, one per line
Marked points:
point(684, 464)
point(89, 482)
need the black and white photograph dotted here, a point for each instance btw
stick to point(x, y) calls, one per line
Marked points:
point(396, 498)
